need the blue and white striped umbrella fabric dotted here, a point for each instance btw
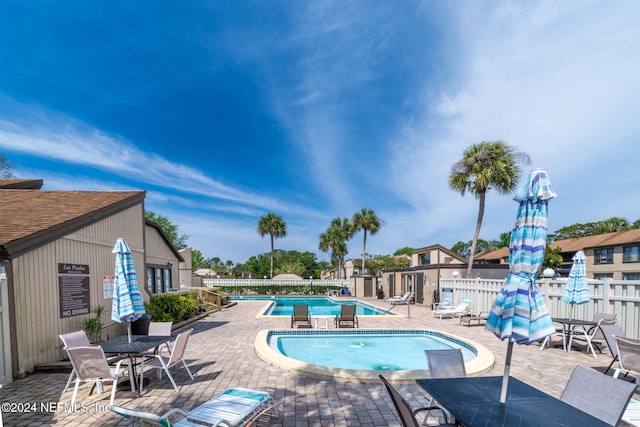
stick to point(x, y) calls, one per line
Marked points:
point(577, 289)
point(519, 313)
point(127, 304)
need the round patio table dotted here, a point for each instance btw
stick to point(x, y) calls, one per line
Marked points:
point(568, 325)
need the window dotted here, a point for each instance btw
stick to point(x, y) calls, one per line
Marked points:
point(631, 254)
point(603, 256)
point(425, 258)
point(630, 276)
point(602, 276)
point(158, 279)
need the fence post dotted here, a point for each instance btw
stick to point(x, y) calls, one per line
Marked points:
point(606, 304)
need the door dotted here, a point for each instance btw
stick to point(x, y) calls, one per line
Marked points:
point(368, 287)
point(6, 375)
point(419, 293)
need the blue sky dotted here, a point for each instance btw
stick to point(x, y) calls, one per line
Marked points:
point(224, 111)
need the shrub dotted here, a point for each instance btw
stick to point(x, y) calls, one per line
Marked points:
point(172, 307)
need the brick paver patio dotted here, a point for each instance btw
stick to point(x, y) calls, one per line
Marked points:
point(221, 355)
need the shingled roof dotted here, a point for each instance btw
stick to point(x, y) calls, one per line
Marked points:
point(32, 218)
point(20, 184)
point(617, 238)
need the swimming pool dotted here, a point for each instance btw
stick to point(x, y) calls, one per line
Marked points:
point(318, 305)
point(361, 355)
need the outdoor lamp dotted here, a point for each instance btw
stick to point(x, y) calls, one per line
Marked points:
point(548, 273)
point(455, 274)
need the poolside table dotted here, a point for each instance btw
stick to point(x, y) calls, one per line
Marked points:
point(139, 343)
point(567, 327)
point(475, 401)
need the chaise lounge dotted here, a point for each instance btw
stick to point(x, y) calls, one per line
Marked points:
point(233, 408)
point(404, 299)
point(450, 311)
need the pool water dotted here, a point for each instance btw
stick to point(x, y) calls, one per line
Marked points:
point(318, 306)
point(364, 350)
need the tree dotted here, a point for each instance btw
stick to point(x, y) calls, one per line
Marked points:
point(383, 262)
point(365, 220)
point(485, 166)
point(169, 229)
point(552, 258)
point(6, 167)
point(464, 249)
point(197, 260)
point(404, 251)
point(592, 228)
point(335, 239)
point(504, 241)
point(275, 227)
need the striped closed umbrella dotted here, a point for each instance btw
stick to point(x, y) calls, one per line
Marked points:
point(127, 304)
point(577, 289)
point(519, 313)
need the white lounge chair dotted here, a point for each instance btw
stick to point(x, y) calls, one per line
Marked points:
point(404, 299)
point(450, 311)
point(233, 407)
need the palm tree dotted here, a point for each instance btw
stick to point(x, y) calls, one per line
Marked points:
point(275, 227)
point(484, 166)
point(366, 220)
point(334, 240)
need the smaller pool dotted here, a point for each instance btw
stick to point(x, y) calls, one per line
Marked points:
point(361, 355)
point(318, 305)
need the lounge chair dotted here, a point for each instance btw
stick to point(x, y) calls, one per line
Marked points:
point(628, 356)
point(450, 311)
point(597, 394)
point(610, 333)
point(471, 319)
point(233, 407)
point(301, 317)
point(347, 317)
point(164, 363)
point(404, 299)
point(406, 414)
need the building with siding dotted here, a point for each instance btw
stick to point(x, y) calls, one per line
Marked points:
point(56, 263)
point(428, 265)
point(608, 256)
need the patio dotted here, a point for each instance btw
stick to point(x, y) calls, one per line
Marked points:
point(221, 355)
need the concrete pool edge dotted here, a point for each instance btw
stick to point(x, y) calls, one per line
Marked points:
point(483, 362)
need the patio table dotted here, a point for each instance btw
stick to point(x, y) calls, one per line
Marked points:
point(139, 343)
point(475, 401)
point(568, 325)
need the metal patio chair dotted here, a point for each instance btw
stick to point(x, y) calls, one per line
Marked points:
point(597, 394)
point(164, 363)
point(74, 339)
point(405, 412)
point(91, 365)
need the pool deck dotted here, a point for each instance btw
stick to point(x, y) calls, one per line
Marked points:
point(221, 355)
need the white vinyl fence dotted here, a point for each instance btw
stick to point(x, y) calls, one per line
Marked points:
point(621, 297)
point(220, 283)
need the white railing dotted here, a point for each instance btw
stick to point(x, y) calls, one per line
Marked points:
point(218, 283)
point(621, 297)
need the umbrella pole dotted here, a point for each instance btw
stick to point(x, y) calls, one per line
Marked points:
point(129, 330)
point(505, 378)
